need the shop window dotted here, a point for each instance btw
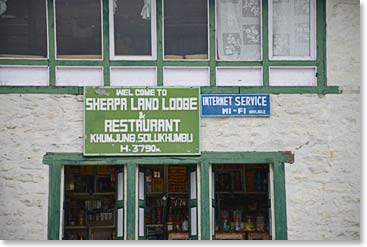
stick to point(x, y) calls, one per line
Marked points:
point(78, 29)
point(93, 206)
point(167, 202)
point(23, 28)
point(185, 29)
point(239, 29)
point(241, 202)
point(292, 29)
point(133, 33)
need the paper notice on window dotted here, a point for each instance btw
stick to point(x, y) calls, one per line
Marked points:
point(212, 185)
point(193, 185)
point(141, 186)
point(213, 221)
point(120, 186)
point(120, 222)
point(193, 222)
point(141, 222)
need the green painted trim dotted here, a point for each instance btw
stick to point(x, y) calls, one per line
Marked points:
point(265, 43)
point(247, 157)
point(51, 42)
point(212, 50)
point(186, 63)
point(78, 63)
point(133, 63)
point(280, 208)
point(239, 63)
point(131, 194)
point(204, 90)
point(43, 62)
point(106, 43)
point(40, 90)
point(159, 42)
point(321, 42)
point(272, 90)
point(211, 157)
point(54, 202)
point(79, 159)
point(205, 209)
point(293, 63)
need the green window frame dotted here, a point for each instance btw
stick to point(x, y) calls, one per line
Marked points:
point(57, 160)
point(212, 64)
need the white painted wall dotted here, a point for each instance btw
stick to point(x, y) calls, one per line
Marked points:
point(323, 185)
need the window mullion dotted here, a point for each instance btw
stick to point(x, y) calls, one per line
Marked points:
point(106, 43)
point(265, 42)
point(320, 42)
point(159, 43)
point(212, 50)
point(51, 42)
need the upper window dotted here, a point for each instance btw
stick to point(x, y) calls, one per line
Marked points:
point(78, 29)
point(23, 28)
point(292, 29)
point(133, 33)
point(185, 29)
point(239, 29)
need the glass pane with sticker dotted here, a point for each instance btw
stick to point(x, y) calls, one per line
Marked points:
point(238, 29)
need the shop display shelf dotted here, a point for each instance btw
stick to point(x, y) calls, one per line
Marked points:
point(75, 227)
point(85, 194)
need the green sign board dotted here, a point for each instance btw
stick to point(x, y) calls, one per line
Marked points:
point(141, 121)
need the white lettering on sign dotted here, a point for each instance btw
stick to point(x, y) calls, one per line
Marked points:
point(105, 104)
point(141, 104)
point(238, 101)
point(141, 125)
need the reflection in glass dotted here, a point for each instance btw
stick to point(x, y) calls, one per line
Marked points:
point(132, 26)
point(23, 31)
point(78, 29)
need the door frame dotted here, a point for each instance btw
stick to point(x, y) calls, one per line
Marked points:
point(57, 160)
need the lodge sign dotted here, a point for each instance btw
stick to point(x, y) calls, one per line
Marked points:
point(141, 121)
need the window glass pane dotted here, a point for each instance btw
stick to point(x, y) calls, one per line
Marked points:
point(132, 24)
point(291, 21)
point(239, 29)
point(185, 29)
point(23, 30)
point(78, 28)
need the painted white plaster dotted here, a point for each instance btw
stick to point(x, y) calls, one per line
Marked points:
point(24, 75)
point(239, 76)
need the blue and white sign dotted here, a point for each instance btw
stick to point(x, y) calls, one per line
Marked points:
point(235, 105)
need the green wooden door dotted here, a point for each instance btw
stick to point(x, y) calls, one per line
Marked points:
point(120, 204)
point(193, 202)
point(141, 205)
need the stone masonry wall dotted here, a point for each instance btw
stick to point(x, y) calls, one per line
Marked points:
point(323, 184)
